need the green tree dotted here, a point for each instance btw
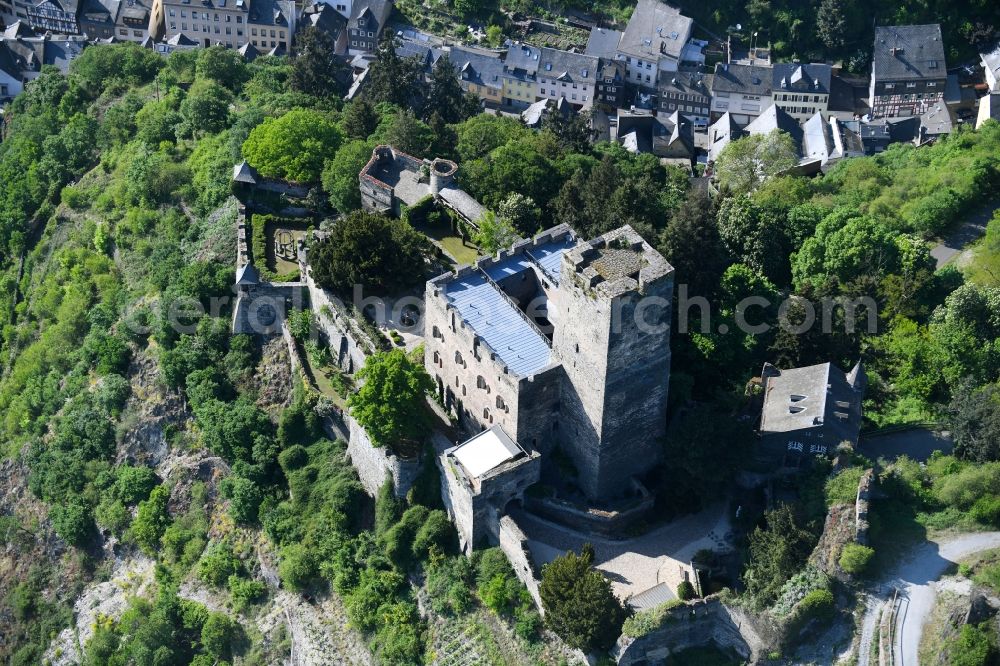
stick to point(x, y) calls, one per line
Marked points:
point(390, 404)
point(692, 245)
point(746, 163)
point(317, 70)
point(217, 635)
point(293, 146)
point(446, 95)
point(494, 233)
point(73, 522)
point(831, 24)
point(974, 416)
point(360, 119)
point(398, 81)
point(205, 109)
point(379, 253)
point(409, 134)
point(522, 212)
point(224, 66)
point(340, 175)
point(151, 520)
point(157, 122)
point(580, 606)
point(776, 552)
point(847, 246)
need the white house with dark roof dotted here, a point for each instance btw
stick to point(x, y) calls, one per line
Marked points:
point(801, 90)
point(909, 73)
point(653, 42)
point(520, 70)
point(743, 91)
point(572, 76)
point(11, 80)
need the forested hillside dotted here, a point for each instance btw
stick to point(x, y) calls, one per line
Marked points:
point(129, 440)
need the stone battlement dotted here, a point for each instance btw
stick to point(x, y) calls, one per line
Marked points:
point(616, 263)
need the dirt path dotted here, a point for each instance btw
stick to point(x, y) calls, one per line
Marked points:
point(915, 578)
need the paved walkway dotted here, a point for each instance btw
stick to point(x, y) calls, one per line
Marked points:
point(916, 443)
point(968, 232)
point(915, 579)
point(632, 565)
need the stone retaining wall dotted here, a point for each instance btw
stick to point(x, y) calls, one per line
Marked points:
point(514, 544)
point(375, 463)
point(699, 623)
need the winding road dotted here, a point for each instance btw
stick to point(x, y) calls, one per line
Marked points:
point(915, 578)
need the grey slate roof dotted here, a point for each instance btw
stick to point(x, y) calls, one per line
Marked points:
point(249, 52)
point(813, 396)
point(655, 29)
point(477, 68)
point(247, 274)
point(323, 16)
point(18, 29)
point(773, 118)
point(463, 203)
point(720, 133)
point(603, 42)
point(655, 596)
point(686, 83)
point(569, 67)
point(796, 77)
point(379, 9)
point(8, 62)
point(905, 52)
point(521, 60)
point(746, 79)
point(426, 54)
point(991, 60)
point(817, 139)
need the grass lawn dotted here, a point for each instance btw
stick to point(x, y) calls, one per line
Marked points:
point(462, 251)
point(289, 237)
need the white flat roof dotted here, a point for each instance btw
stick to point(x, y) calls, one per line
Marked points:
point(486, 451)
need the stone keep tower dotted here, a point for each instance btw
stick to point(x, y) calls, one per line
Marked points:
point(613, 340)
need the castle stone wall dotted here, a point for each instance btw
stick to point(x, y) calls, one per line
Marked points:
point(374, 463)
point(699, 623)
point(514, 544)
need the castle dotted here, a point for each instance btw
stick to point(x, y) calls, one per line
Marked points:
point(557, 353)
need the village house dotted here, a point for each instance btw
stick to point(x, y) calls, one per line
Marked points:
point(124, 20)
point(322, 16)
point(23, 53)
point(670, 137)
point(57, 16)
point(653, 42)
point(365, 23)
point(740, 90)
point(687, 92)
point(266, 24)
point(809, 412)
point(479, 74)
point(562, 74)
point(801, 90)
point(908, 70)
point(611, 92)
point(520, 68)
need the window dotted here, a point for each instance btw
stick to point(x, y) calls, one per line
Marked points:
point(173, 26)
point(486, 415)
point(890, 86)
point(458, 358)
point(229, 18)
point(253, 31)
point(239, 19)
point(123, 31)
point(229, 30)
point(911, 84)
point(171, 12)
point(500, 403)
point(437, 359)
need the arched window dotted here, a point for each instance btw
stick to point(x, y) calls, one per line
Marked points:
point(458, 358)
point(500, 403)
point(463, 389)
point(486, 415)
point(437, 358)
point(437, 332)
point(480, 382)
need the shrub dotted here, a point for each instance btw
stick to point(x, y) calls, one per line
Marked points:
point(986, 510)
point(817, 605)
point(298, 568)
point(646, 621)
point(245, 591)
point(974, 646)
point(685, 591)
point(218, 564)
point(133, 484)
point(151, 520)
point(217, 635)
point(293, 458)
point(72, 522)
point(854, 558)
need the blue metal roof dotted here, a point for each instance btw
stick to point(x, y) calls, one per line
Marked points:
point(549, 256)
point(494, 318)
